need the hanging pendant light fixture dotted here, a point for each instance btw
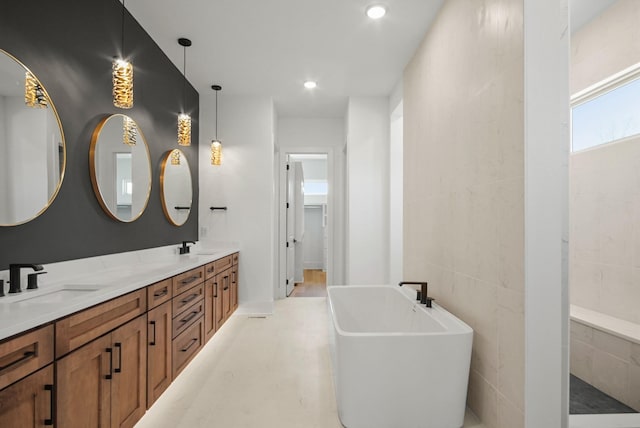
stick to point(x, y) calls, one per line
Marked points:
point(122, 76)
point(129, 131)
point(175, 157)
point(184, 120)
point(216, 145)
point(33, 94)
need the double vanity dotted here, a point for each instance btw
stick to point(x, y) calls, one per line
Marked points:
point(99, 350)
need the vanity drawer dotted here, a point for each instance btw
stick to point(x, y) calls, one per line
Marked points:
point(82, 327)
point(223, 263)
point(159, 293)
point(187, 345)
point(235, 258)
point(186, 299)
point(209, 270)
point(24, 354)
point(187, 279)
point(189, 316)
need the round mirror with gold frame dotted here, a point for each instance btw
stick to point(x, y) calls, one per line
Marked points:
point(176, 191)
point(120, 167)
point(32, 146)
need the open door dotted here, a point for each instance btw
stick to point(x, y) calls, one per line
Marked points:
point(290, 229)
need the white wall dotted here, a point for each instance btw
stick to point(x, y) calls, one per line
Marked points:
point(243, 183)
point(317, 135)
point(313, 238)
point(368, 190)
point(396, 186)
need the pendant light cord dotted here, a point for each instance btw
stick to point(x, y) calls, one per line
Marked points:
point(123, 9)
point(217, 115)
point(184, 82)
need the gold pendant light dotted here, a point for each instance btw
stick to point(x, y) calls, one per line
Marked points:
point(122, 76)
point(33, 94)
point(175, 157)
point(184, 120)
point(216, 145)
point(129, 131)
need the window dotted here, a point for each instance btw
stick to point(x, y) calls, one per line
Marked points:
point(606, 112)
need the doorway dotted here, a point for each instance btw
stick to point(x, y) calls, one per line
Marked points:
point(306, 224)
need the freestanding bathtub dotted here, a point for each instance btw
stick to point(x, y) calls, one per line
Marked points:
point(396, 363)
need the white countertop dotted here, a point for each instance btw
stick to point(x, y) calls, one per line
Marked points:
point(31, 308)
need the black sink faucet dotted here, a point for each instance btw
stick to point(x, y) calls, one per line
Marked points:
point(424, 299)
point(185, 248)
point(14, 275)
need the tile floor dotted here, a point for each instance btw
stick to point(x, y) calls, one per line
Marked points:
point(259, 373)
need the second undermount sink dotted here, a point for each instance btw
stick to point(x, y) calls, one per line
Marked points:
point(57, 294)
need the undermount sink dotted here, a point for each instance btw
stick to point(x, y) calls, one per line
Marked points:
point(57, 294)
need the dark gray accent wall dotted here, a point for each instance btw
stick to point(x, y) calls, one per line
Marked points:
point(69, 45)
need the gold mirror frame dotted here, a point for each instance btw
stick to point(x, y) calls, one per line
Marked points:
point(95, 137)
point(173, 158)
point(62, 141)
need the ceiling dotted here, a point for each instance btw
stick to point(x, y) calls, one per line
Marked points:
point(270, 47)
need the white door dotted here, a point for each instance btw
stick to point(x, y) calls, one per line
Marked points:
point(291, 221)
point(298, 208)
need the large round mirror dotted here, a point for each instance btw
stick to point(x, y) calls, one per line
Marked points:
point(32, 148)
point(175, 187)
point(120, 167)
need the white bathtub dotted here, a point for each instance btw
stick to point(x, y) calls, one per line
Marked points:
point(396, 363)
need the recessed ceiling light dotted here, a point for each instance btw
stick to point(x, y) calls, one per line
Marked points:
point(310, 84)
point(376, 11)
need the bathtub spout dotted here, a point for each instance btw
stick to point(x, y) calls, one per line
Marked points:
point(424, 299)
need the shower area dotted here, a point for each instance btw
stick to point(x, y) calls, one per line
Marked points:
point(604, 217)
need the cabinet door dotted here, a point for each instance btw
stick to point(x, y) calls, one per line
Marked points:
point(84, 386)
point(226, 293)
point(129, 386)
point(27, 403)
point(217, 301)
point(210, 308)
point(234, 288)
point(158, 352)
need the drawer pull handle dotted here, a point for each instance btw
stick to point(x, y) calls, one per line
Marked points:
point(49, 388)
point(110, 375)
point(215, 294)
point(190, 298)
point(211, 270)
point(225, 288)
point(164, 292)
point(189, 280)
point(185, 349)
point(153, 341)
point(22, 359)
point(190, 317)
point(119, 368)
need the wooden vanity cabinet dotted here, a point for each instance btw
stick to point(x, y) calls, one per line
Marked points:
point(29, 402)
point(113, 360)
point(159, 351)
point(103, 384)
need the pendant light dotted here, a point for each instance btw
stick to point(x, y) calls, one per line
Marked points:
point(129, 131)
point(122, 76)
point(184, 120)
point(33, 94)
point(216, 145)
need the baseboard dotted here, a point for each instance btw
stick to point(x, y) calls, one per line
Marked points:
point(255, 308)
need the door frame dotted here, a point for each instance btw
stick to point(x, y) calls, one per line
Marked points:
point(281, 191)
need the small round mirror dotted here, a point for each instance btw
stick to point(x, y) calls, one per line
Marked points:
point(176, 191)
point(120, 167)
point(32, 147)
